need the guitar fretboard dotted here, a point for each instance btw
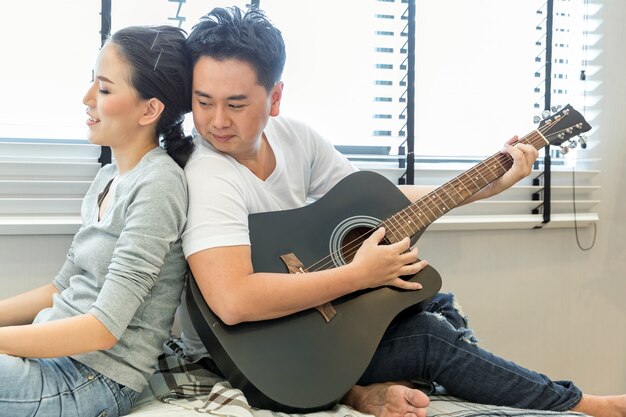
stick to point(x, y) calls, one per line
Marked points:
point(422, 213)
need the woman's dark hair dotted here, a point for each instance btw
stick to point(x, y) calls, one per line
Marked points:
point(159, 69)
point(226, 33)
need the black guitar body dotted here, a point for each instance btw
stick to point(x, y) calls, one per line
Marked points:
point(301, 363)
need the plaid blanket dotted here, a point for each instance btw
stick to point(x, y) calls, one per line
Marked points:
point(190, 386)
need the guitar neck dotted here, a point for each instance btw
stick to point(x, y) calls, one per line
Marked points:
point(422, 213)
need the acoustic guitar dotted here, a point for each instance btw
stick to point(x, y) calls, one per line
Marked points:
point(307, 361)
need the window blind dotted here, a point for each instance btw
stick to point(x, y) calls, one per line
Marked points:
point(350, 85)
point(42, 184)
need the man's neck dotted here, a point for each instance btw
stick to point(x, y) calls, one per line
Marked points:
point(264, 162)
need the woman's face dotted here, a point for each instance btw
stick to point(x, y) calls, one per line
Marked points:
point(113, 105)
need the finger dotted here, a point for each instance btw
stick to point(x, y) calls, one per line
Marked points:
point(524, 156)
point(377, 236)
point(405, 285)
point(414, 268)
point(512, 140)
point(526, 148)
point(409, 257)
point(530, 153)
point(518, 153)
point(401, 246)
point(514, 151)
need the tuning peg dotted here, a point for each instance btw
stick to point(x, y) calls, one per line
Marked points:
point(582, 139)
point(536, 119)
point(564, 149)
point(545, 114)
point(572, 144)
point(555, 109)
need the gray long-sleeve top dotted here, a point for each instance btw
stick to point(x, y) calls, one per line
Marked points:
point(128, 269)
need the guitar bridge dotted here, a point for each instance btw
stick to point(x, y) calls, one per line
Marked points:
point(296, 267)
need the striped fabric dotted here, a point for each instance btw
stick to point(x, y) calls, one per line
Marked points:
point(191, 387)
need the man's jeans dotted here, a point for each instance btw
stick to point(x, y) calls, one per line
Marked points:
point(437, 347)
point(59, 387)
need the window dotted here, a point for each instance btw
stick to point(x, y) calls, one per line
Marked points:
point(182, 13)
point(46, 67)
point(479, 78)
point(46, 165)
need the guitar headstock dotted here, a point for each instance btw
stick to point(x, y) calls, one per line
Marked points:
point(562, 126)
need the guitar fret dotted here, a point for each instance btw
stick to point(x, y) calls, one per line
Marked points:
point(470, 178)
point(409, 222)
point(461, 188)
point(486, 174)
point(406, 224)
point(504, 167)
point(393, 230)
point(416, 216)
point(492, 172)
point(446, 208)
point(429, 206)
point(413, 227)
point(449, 196)
point(481, 176)
point(399, 228)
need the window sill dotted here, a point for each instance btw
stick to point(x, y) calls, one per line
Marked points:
point(39, 225)
point(69, 225)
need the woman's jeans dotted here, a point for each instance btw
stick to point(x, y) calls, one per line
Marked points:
point(59, 387)
point(436, 346)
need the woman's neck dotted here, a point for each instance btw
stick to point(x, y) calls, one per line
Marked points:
point(126, 158)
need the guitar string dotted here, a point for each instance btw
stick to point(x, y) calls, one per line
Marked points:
point(350, 248)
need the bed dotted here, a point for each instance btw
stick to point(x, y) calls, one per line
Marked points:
point(182, 389)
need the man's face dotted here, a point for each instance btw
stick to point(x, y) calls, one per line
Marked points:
point(230, 108)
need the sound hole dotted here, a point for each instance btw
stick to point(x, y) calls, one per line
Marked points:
point(352, 241)
point(347, 237)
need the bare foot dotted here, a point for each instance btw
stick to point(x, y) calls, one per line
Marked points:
point(602, 405)
point(389, 399)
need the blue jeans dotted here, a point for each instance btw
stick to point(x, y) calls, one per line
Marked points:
point(436, 346)
point(59, 387)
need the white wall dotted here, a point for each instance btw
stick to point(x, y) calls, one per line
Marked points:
point(29, 261)
point(532, 296)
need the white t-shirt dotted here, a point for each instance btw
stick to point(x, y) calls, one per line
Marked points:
point(223, 193)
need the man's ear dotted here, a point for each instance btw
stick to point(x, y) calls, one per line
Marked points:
point(152, 111)
point(276, 95)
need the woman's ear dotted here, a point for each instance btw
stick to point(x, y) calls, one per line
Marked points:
point(152, 111)
point(276, 95)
